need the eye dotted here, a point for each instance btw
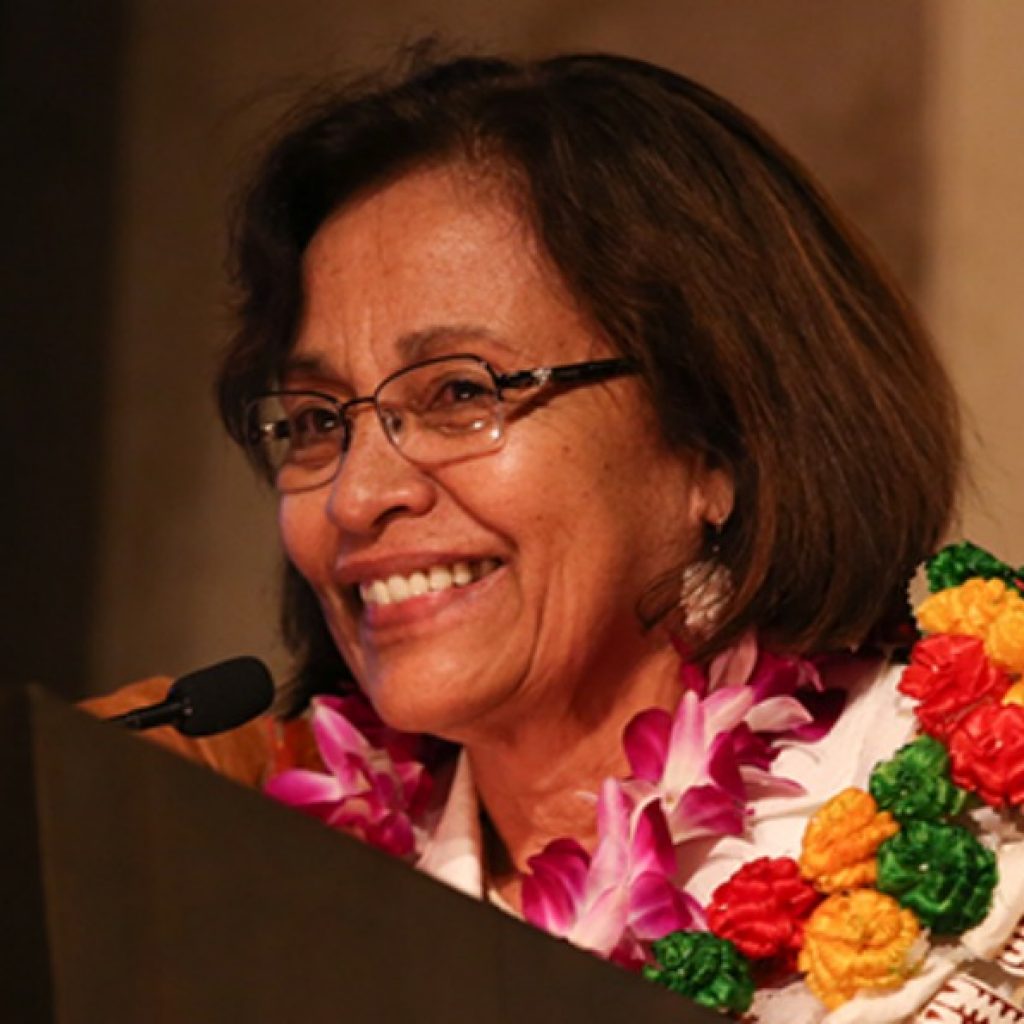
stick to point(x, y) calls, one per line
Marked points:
point(309, 428)
point(447, 392)
point(309, 423)
point(459, 391)
point(455, 402)
point(440, 398)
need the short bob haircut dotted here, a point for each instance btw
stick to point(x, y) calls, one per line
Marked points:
point(769, 339)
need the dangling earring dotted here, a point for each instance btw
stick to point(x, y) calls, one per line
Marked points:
point(705, 588)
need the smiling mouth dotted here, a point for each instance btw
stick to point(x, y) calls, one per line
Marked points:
point(398, 588)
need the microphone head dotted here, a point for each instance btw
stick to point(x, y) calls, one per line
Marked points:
point(222, 696)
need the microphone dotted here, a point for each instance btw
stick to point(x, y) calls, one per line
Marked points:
point(209, 700)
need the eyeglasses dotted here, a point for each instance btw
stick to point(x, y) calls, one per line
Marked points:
point(437, 411)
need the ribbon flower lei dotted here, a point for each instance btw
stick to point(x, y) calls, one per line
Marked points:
point(882, 870)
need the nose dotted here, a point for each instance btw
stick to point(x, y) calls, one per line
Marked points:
point(375, 483)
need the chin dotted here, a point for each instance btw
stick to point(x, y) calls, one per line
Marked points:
point(413, 702)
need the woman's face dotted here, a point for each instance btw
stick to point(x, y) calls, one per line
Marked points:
point(559, 531)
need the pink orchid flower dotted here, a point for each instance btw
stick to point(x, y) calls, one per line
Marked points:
point(376, 793)
point(621, 896)
point(746, 664)
point(771, 675)
point(703, 763)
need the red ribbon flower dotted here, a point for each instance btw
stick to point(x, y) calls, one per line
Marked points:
point(986, 751)
point(762, 908)
point(950, 675)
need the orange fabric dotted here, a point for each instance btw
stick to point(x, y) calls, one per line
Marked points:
point(248, 754)
point(293, 746)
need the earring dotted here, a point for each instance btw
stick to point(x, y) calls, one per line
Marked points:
point(705, 588)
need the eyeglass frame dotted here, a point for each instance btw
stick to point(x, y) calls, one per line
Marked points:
point(591, 371)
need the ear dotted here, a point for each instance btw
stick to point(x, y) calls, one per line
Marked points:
point(713, 494)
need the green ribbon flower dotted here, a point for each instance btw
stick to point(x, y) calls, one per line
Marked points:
point(957, 563)
point(914, 784)
point(707, 969)
point(941, 873)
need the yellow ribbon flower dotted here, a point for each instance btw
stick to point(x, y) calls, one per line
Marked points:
point(841, 839)
point(858, 940)
point(1005, 641)
point(1015, 694)
point(970, 609)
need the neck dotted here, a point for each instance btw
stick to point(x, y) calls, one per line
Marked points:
point(539, 783)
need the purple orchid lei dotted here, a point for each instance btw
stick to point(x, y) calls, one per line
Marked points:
point(692, 774)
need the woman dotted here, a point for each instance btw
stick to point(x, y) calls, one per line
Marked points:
point(574, 386)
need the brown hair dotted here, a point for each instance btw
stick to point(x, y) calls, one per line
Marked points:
point(769, 338)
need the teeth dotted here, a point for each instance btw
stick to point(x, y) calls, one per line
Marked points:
point(439, 577)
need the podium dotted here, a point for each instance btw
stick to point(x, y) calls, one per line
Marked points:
point(137, 887)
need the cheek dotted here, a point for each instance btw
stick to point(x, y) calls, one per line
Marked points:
point(304, 533)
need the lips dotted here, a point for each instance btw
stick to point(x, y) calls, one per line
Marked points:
point(394, 588)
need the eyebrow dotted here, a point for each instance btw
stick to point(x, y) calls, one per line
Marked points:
point(411, 347)
point(313, 365)
point(434, 340)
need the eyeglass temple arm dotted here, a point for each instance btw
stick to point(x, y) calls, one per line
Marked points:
point(575, 373)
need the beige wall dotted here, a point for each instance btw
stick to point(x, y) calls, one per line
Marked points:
point(902, 107)
point(975, 288)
